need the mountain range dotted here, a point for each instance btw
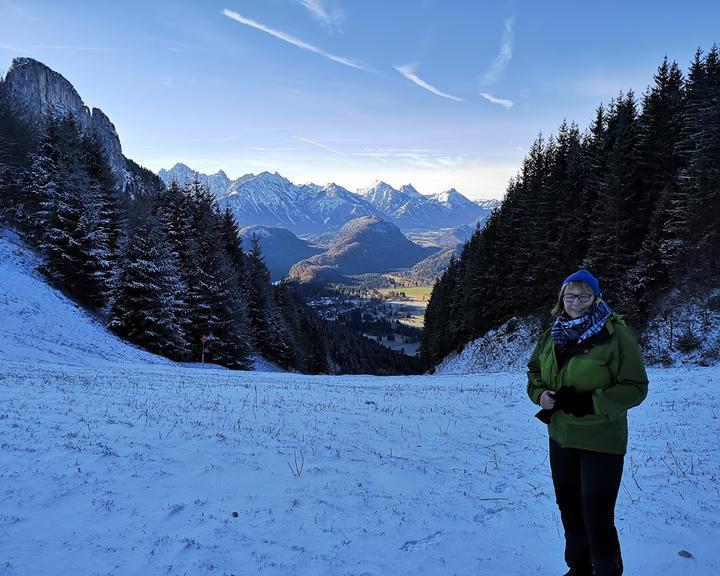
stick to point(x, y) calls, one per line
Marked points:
point(269, 199)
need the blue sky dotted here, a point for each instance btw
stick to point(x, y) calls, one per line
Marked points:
point(439, 93)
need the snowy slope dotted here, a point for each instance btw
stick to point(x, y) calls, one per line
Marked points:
point(506, 348)
point(684, 331)
point(39, 324)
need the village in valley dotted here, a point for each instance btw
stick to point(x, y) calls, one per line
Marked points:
point(392, 316)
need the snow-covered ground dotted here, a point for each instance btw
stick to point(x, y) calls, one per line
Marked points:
point(115, 462)
point(166, 470)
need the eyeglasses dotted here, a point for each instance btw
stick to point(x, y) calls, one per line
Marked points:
point(582, 298)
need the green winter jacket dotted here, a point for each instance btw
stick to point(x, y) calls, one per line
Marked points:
point(613, 371)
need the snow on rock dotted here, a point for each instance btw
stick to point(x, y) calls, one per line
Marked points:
point(261, 364)
point(506, 348)
point(217, 183)
point(685, 330)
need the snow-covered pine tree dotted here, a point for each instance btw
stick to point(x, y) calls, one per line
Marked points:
point(699, 178)
point(104, 213)
point(144, 306)
point(232, 242)
point(562, 194)
point(69, 219)
point(213, 296)
point(57, 181)
point(657, 158)
point(174, 211)
point(17, 142)
point(232, 298)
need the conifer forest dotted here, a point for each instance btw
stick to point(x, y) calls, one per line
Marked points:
point(635, 197)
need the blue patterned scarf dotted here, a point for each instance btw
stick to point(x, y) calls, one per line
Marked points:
point(566, 330)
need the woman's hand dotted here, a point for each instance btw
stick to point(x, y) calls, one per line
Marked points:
point(547, 400)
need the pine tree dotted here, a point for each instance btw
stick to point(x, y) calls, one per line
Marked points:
point(102, 214)
point(70, 222)
point(60, 208)
point(232, 243)
point(144, 306)
point(705, 170)
point(698, 181)
point(213, 295)
point(268, 326)
point(614, 240)
point(567, 177)
point(174, 210)
point(437, 332)
point(656, 154)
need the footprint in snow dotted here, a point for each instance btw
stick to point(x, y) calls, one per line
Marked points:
point(422, 543)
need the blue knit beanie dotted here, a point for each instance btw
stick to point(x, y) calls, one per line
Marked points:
point(584, 276)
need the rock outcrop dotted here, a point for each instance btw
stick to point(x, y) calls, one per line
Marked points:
point(31, 92)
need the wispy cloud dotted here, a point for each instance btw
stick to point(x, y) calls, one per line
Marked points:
point(171, 81)
point(408, 70)
point(328, 16)
point(494, 72)
point(319, 145)
point(427, 159)
point(499, 101)
point(418, 158)
point(291, 39)
point(369, 152)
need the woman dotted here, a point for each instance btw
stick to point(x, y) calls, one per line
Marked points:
point(585, 373)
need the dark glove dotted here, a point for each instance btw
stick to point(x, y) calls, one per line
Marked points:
point(570, 401)
point(545, 415)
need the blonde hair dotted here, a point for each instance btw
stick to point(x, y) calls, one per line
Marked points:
point(560, 305)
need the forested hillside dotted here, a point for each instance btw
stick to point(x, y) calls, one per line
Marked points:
point(635, 198)
point(163, 267)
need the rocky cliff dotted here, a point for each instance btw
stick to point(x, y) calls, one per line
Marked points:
point(31, 91)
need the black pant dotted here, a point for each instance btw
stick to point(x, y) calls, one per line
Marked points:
point(586, 487)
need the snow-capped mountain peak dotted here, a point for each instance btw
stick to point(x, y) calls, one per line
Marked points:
point(218, 183)
point(384, 197)
point(451, 198)
point(271, 199)
point(410, 190)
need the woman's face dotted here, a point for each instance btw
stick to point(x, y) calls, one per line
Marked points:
point(577, 299)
